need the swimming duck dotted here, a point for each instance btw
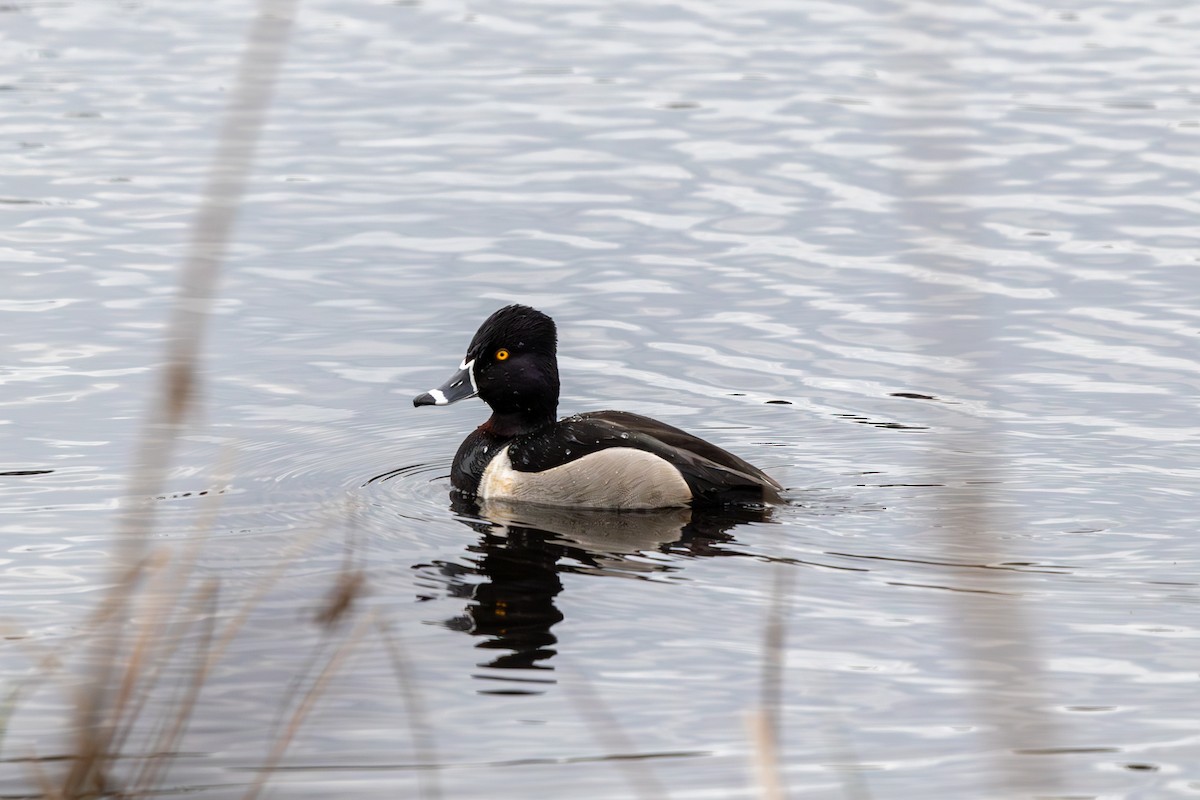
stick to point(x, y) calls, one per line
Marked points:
point(602, 459)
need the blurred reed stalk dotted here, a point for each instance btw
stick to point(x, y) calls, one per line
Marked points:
point(997, 633)
point(764, 722)
point(424, 744)
point(306, 705)
point(122, 666)
point(972, 526)
point(607, 729)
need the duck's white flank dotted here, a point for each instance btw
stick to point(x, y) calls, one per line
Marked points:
point(617, 478)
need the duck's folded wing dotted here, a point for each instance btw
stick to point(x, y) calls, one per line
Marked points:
point(714, 475)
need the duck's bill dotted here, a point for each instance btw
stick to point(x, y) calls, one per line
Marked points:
point(460, 386)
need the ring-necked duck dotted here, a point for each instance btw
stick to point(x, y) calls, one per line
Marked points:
point(602, 459)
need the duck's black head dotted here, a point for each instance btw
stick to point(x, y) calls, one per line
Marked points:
point(511, 365)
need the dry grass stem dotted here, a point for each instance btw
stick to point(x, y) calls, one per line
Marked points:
point(970, 525)
point(765, 723)
point(166, 744)
point(612, 737)
point(840, 745)
point(986, 622)
point(350, 586)
point(263, 585)
point(46, 663)
point(42, 779)
point(101, 704)
point(159, 606)
point(424, 744)
point(306, 706)
point(766, 754)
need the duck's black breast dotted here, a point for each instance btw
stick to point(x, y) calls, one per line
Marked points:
point(713, 475)
point(472, 458)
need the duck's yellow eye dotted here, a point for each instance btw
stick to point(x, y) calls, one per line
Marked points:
point(501, 354)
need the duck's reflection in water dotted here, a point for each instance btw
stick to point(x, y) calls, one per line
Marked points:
point(523, 550)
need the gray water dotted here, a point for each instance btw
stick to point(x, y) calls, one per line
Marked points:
point(933, 266)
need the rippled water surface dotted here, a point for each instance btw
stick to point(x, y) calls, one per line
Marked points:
point(934, 266)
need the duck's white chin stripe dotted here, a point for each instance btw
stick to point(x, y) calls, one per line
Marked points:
point(439, 399)
point(469, 366)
